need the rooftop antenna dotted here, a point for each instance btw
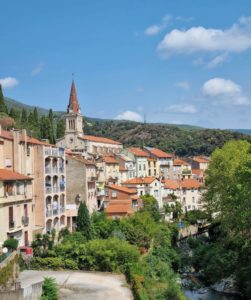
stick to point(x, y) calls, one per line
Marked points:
point(144, 118)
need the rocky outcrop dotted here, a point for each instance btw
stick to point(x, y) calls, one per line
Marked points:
point(226, 285)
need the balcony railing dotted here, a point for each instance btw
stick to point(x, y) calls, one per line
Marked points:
point(55, 170)
point(25, 220)
point(55, 212)
point(91, 178)
point(61, 169)
point(11, 225)
point(49, 213)
point(47, 152)
point(55, 189)
point(47, 170)
point(48, 190)
point(62, 210)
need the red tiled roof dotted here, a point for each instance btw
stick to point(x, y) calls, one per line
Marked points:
point(30, 140)
point(11, 176)
point(115, 207)
point(81, 159)
point(122, 189)
point(98, 139)
point(122, 169)
point(197, 172)
point(138, 152)
point(171, 184)
point(109, 159)
point(160, 154)
point(184, 184)
point(180, 162)
point(200, 159)
point(140, 180)
point(190, 183)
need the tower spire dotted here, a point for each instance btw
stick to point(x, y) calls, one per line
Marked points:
point(73, 105)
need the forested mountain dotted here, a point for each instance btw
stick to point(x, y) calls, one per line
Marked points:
point(179, 139)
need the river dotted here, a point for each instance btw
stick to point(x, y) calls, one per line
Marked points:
point(209, 295)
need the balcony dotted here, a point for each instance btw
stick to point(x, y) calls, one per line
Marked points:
point(48, 190)
point(47, 151)
point(61, 169)
point(55, 170)
point(47, 170)
point(49, 213)
point(91, 178)
point(55, 189)
point(11, 225)
point(62, 210)
point(55, 212)
point(25, 220)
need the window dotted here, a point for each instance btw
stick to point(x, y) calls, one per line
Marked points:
point(156, 184)
point(149, 172)
point(114, 194)
point(192, 189)
point(155, 173)
point(144, 166)
point(106, 193)
point(18, 188)
point(8, 162)
point(193, 199)
point(141, 193)
point(139, 167)
point(154, 164)
point(28, 150)
point(184, 191)
point(8, 189)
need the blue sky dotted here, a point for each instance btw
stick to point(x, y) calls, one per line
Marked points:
point(177, 61)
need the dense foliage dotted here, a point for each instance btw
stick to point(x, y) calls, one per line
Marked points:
point(140, 246)
point(11, 244)
point(181, 141)
point(228, 200)
point(84, 221)
point(49, 289)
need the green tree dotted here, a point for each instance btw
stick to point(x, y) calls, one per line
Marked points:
point(49, 289)
point(84, 224)
point(151, 206)
point(24, 118)
point(3, 107)
point(229, 188)
point(60, 128)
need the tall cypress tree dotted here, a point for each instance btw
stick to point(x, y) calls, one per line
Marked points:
point(24, 118)
point(84, 221)
point(3, 107)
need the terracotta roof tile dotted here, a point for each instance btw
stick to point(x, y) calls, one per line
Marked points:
point(160, 154)
point(122, 169)
point(11, 176)
point(182, 184)
point(109, 159)
point(98, 139)
point(197, 172)
point(171, 184)
point(140, 180)
point(122, 189)
point(114, 208)
point(138, 152)
point(180, 162)
point(200, 159)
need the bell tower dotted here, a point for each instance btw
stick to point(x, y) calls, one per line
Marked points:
point(73, 118)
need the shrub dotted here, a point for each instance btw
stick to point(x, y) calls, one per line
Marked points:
point(49, 289)
point(55, 263)
point(108, 255)
point(11, 244)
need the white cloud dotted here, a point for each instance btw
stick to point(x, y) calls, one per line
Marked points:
point(185, 85)
point(129, 115)
point(224, 91)
point(199, 39)
point(182, 108)
point(37, 70)
point(219, 59)
point(157, 28)
point(8, 82)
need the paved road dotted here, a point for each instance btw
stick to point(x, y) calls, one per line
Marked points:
point(76, 285)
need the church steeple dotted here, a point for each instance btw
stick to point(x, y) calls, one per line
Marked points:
point(73, 106)
point(73, 118)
